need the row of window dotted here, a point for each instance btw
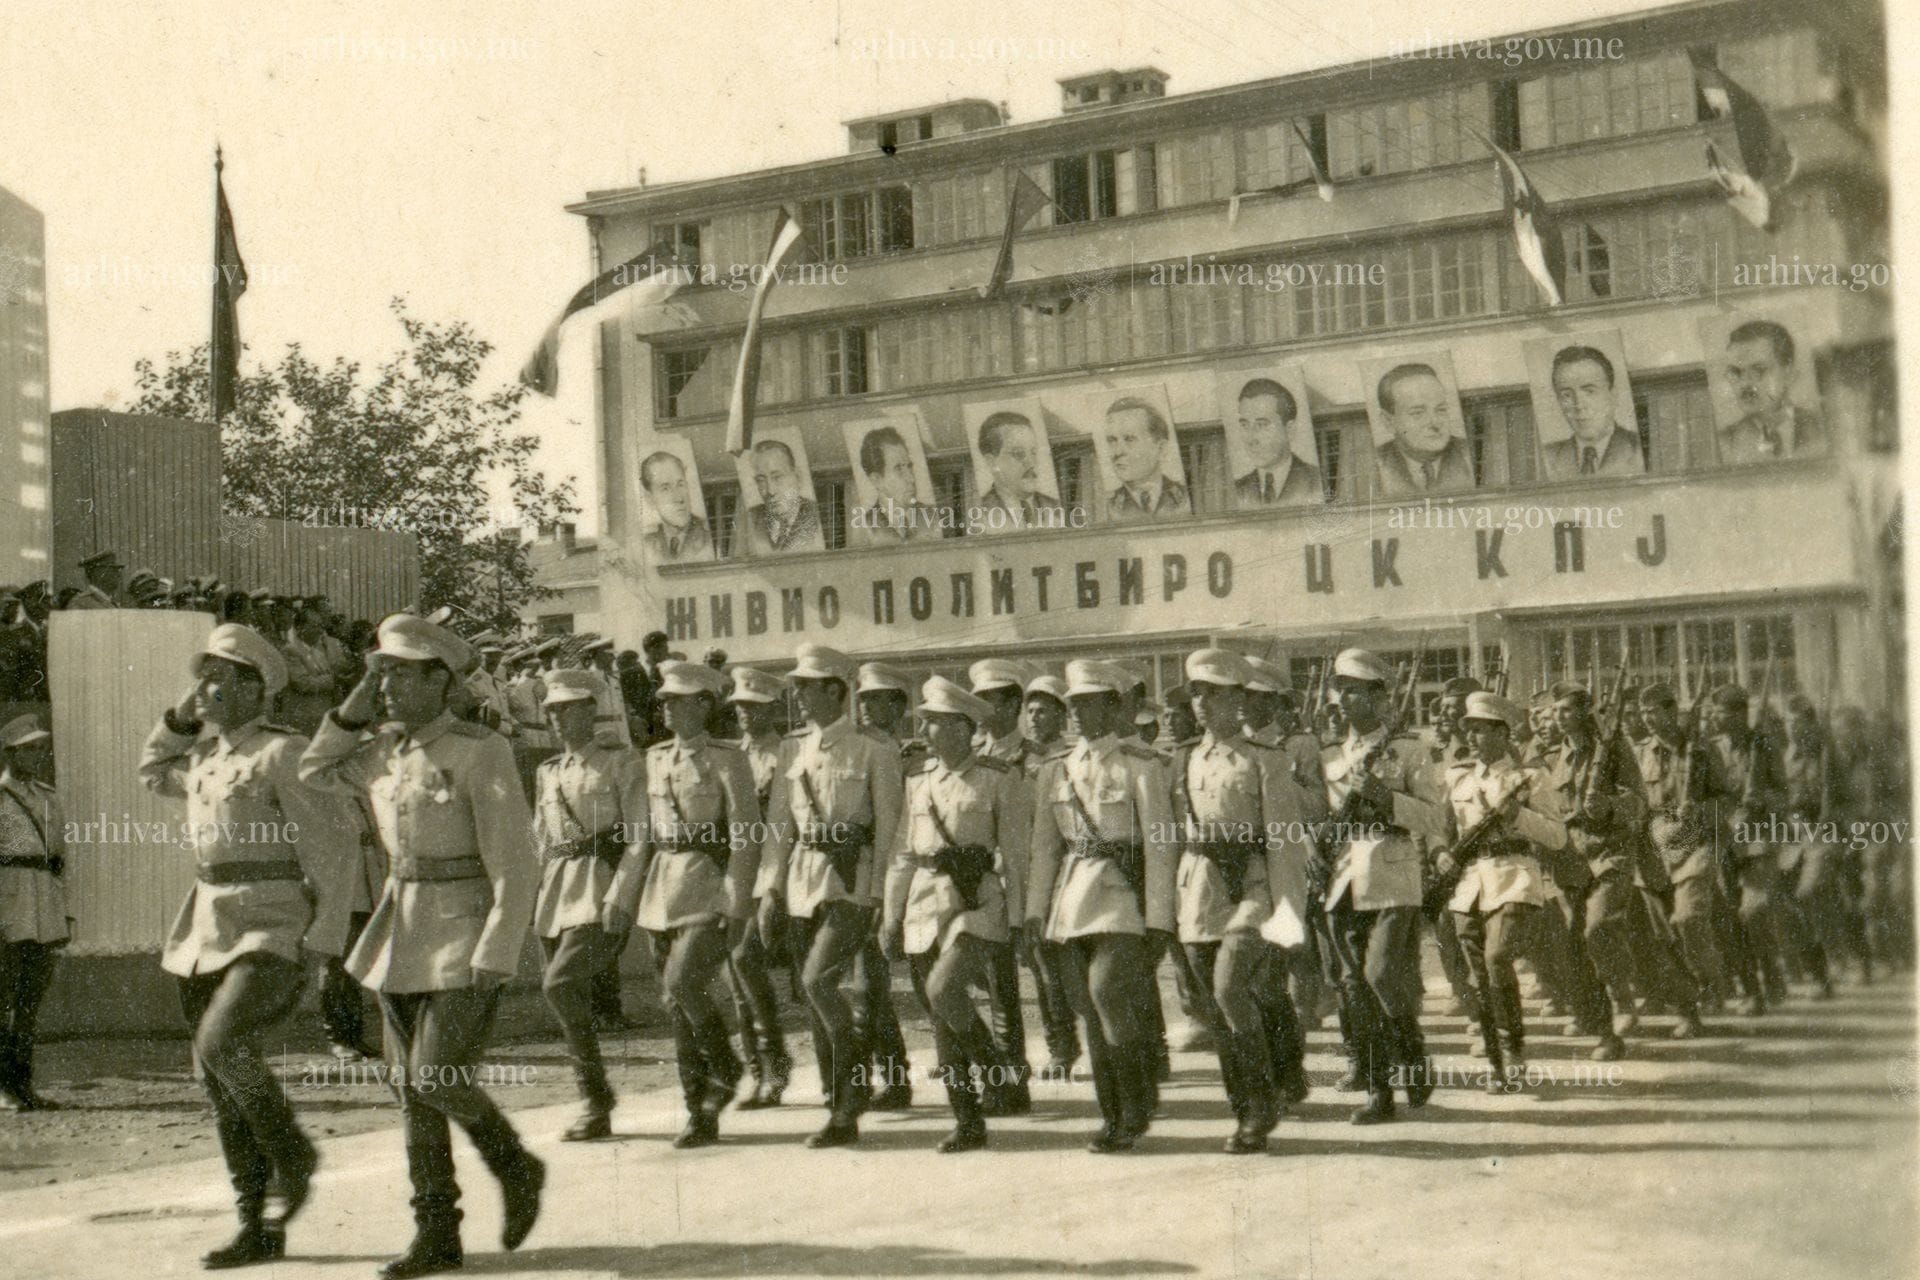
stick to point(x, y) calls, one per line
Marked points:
point(1579, 104)
point(1690, 654)
point(1671, 249)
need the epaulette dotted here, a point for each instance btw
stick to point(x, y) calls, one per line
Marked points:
point(270, 727)
point(991, 762)
point(471, 729)
point(1140, 750)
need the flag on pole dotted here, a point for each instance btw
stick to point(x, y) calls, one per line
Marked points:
point(1536, 233)
point(1321, 182)
point(1025, 200)
point(653, 276)
point(229, 282)
point(788, 246)
point(1767, 163)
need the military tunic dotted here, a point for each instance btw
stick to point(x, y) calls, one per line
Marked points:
point(33, 900)
point(708, 786)
point(578, 795)
point(1674, 822)
point(985, 802)
point(1121, 784)
point(855, 780)
point(1380, 871)
point(1227, 786)
point(1508, 872)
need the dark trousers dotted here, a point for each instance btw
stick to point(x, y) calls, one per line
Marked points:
point(757, 1007)
point(229, 1010)
point(689, 959)
point(1379, 958)
point(1611, 903)
point(1490, 942)
point(945, 978)
point(831, 940)
point(1109, 972)
point(343, 1011)
point(1454, 962)
point(1050, 981)
point(876, 1021)
point(26, 969)
point(604, 989)
point(1285, 1027)
point(573, 959)
point(434, 1040)
point(1007, 1019)
point(1563, 943)
point(1227, 977)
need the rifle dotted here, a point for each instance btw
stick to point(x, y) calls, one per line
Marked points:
point(1472, 844)
point(1320, 865)
point(1756, 755)
point(1600, 767)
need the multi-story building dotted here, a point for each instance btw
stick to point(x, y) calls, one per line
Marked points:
point(569, 567)
point(1187, 251)
point(25, 535)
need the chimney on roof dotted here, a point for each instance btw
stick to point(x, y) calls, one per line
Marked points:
point(1111, 88)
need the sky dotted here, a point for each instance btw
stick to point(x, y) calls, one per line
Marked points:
point(427, 149)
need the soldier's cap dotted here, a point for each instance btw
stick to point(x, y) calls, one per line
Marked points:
point(546, 646)
point(101, 559)
point(680, 679)
point(996, 673)
point(1563, 690)
point(1090, 675)
point(488, 639)
point(1218, 667)
point(1657, 694)
point(879, 677)
point(142, 576)
point(1266, 677)
point(244, 645)
point(1177, 696)
point(1146, 716)
point(570, 686)
point(413, 639)
point(1491, 707)
point(750, 684)
point(603, 645)
point(713, 656)
point(1048, 687)
point(442, 616)
point(1729, 695)
point(20, 731)
point(1358, 664)
point(941, 696)
point(1460, 687)
point(260, 595)
point(819, 662)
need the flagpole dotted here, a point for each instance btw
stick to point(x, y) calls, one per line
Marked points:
point(213, 332)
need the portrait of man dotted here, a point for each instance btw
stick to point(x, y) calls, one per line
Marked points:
point(1586, 396)
point(1015, 473)
point(894, 491)
point(1420, 442)
point(679, 533)
point(1762, 375)
point(1141, 465)
point(784, 516)
point(1270, 443)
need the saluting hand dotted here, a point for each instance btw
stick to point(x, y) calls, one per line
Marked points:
point(362, 702)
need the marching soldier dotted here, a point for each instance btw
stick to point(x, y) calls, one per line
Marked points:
point(33, 903)
point(451, 921)
point(589, 804)
point(260, 839)
point(838, 801)
point(1449, 746)
point(1499, 889)
point(1102, 880)
point(954, 898)
point(1046, 703)
point(1370, 864)
point(692, 881)
point(1677, 829)
point(1743, 785)
point(1812, 862)
point(756, 697)
point(884, 697)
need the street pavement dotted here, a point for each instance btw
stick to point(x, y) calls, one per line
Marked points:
point(1783, 1146)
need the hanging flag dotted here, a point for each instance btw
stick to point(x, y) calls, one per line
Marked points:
point(1536, 233)
point(1767, 163)
point(654, 276)
point(1026, 200)
point(229, 282)
point(1321, 182)
point(789, 246)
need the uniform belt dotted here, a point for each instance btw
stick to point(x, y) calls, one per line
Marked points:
point(1231, 856)
point(685, 839)
point(29, 861)
point(604, 845)
point(1130, 858)
point(224, 873)
point(469, 868)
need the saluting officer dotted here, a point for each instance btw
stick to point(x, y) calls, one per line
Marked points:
point(263, 841)
point(1046, 712)
point(33, 902)
point(954, 897)
point(692, 882)
point(1236, 813)
point(589, 804)
point(451, 921)
point(1501, 889)
point(756, 699)
point(838, 800)
point(1102, 879)
point(884, 696)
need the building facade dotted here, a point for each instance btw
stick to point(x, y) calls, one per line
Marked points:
point(1220, 380)
point(25, 534)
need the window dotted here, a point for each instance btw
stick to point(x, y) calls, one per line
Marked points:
point(1327, 434)
point(1675, 249)
point(951, 344)
point(1616, 98)
point(684, 237)
point(896, 219)
point(1202, 317)
point(1690, 654)
point(1203, 455)
point(1676, 424)
point(1195, 168)
point(889, 136)
point(1102, 184)
point(556, 624)
point(860, 223)
point(677, 371)
point(723, 510)
point(966, 206)
point(840, 361)
point(832, 497)
point(1072, 469)
point(1499, 433)
point(1782, 69)
point(1394, 284)
point(1272, 155)
point(952, 496)
point(1412, 133)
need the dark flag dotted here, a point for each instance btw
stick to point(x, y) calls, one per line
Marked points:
point(1767, 163)
point(229, 282)
point(658, 270)
point(1023, 202)
point(1321, 182)
point(1536, 233)
point(789, 245)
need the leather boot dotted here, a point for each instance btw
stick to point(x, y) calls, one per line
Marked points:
point(258, 1240)
point(1411, 1050)
point(1139, 1091)
point(295, 1169)
point(1355, 1080)
point(596, 1120)
point(1256, 1106)
point(522, 1176)
point(847, 1095)
point(970, 1124)
point(1113, 1135)
point(435, 1247)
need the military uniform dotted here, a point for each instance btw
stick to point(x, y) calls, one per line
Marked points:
point(1101, 875)
point(754, 1001)
point(1677, 830)
point(954, 893)
point(1812, 868)
point(360, 877)
point(1052, 985)
point(33, 913)
point(1736, 786)
point(458, 900)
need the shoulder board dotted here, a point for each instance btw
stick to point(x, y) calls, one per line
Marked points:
point(1189, 743)
point(989, 762)
point(470, 729)
point(551, 762)
point(278, 728)
point(1140, 750)
point(796, 733)
point(661, 745)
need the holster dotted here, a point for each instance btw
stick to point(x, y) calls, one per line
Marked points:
point(966, 865)
point(1231, 857)
point(696, 837)
point(844, 855)
point(1131, 858)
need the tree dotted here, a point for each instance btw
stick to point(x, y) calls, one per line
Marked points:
point(411, 447)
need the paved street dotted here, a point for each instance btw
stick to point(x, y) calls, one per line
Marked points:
point(1777, 1147)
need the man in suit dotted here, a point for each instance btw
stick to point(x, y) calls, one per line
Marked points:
point(1582, 380)
point(1278, 477)
point(1760, 356)
point(1010, 447)
point(680, 536)
point(450, 924)
point(896, 515)
point(1137, 439)
point(785, 519)
point(1425, 458)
